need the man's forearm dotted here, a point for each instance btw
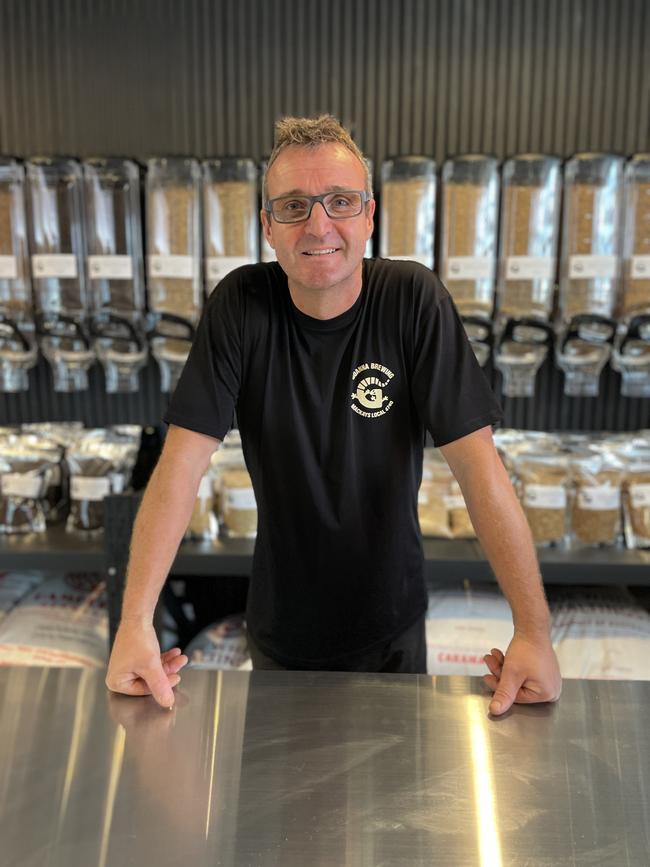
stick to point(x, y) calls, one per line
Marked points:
point(501, 527)
point(159, 527)
point(505, 536)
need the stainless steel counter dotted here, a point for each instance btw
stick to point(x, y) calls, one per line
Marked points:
point(320, 770)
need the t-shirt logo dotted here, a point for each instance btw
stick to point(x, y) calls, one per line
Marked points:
point(369, 398)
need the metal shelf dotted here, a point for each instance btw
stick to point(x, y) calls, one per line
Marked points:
point(445, 559)
point(54, 549)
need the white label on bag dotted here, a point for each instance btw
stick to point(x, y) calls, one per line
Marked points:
point(640, 496)
point(454, 501)
point(427, 261)
point(545, 497)
point(86, 488)
point(529, 268)
point(21, 485)
point(205, 488)
point(179, 267)
point(470, 268)
point(240, 498)
point(110, 267)
point(54, 265)
point(8, 267)
point(640, 268)
point(588, 267)
point(216, 267)
point(600, 498)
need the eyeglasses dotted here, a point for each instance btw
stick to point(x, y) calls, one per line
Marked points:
point(338, 206)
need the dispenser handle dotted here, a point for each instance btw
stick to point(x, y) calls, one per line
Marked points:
point(529, 322)
point(13, 327)
point(634, 330)
point(588, 319)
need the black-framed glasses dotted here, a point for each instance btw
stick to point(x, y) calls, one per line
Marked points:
point(338, 206)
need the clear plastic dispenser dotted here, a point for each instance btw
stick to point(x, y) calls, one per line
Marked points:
point(55, 208)
point(530, 210)
point(115, 269)
point(636, 238)
point(591, 232)
point(173, 200)
point(18, 349)
point(408, 207)
point(230, 216)
point(582, 350)
point(468, 246)
point(479, 332)
point(520, 352)
point(631, 357)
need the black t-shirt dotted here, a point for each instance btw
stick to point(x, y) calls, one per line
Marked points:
point(332, 415)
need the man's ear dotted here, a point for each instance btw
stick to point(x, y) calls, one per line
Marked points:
point(266, 226)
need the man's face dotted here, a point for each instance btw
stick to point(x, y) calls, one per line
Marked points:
point(321, 252)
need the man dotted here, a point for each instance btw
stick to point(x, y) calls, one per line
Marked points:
point(335, 366)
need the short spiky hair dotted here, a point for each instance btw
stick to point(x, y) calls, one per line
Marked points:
point(311, 132)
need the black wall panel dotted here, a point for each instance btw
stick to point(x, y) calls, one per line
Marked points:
point(208, 77)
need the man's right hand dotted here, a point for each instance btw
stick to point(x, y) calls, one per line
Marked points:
point(137, 667)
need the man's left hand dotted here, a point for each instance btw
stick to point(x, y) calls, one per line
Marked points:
point(528, 673)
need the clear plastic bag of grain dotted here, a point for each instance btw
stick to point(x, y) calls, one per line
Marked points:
point(636, 238)
point(25, 476)
point(543, 481)
point(597, 479)
point(238, 507)
point(530, 211)
point(408, 207)
point(591, 232)
point(636, 496)
point(172, 210)
point(468, 243)
point(432, 505)
point(99, 464)
point(229, 455)
point(460, 523)
point(203, 520)
point(230, 221)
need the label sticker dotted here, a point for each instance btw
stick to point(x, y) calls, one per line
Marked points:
point(600, 498)
point(545, 497)
point(110, 267)
point(588, 267)
point(529, 268)
point(179, 267)
point(86, 488)
point(8, 268)
point(470, 268)
point(61, 265)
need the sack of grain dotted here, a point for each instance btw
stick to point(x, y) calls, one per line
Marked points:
point(462, 625)
point(222, 645)
point(62, 622)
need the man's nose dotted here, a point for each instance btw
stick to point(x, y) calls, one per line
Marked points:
point(318, 222)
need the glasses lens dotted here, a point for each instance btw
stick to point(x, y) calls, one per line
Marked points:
point(291, 209)
point(346, 204)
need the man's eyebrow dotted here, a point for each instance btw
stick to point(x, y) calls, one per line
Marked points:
point(299, 192)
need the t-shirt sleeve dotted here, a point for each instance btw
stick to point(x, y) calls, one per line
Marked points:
point(449, 389)
point(206, 395)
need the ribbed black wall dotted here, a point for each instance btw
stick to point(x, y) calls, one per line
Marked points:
point(207, 77)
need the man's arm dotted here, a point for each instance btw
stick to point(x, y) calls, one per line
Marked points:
point(136, 666)
point(529, 672)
